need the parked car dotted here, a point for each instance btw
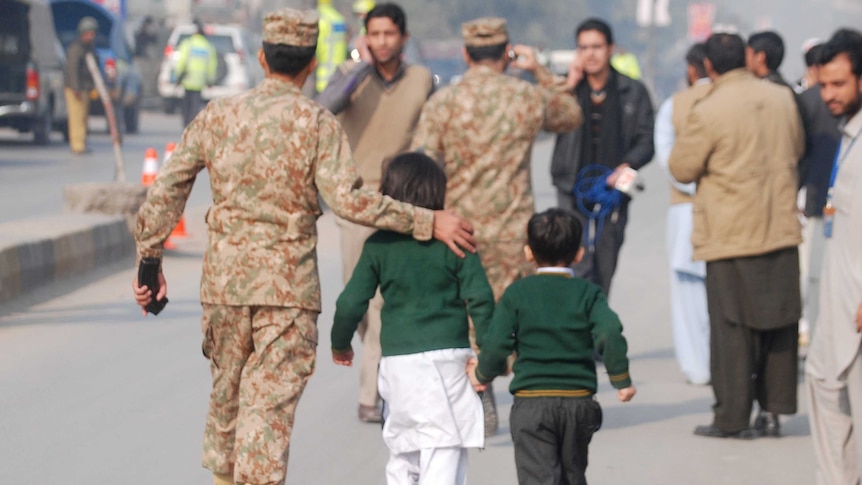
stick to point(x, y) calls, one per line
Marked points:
point(238, 68)
point(122, 77)
point(31, 70)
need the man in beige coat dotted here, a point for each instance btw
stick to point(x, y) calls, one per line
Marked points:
point(741, 145)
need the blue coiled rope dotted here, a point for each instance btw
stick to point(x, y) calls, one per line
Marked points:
point(592, 190)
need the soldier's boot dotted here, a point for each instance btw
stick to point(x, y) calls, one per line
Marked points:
point(219, 479)
point(489, 407)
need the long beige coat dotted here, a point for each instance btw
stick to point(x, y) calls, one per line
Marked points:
point(741, 144)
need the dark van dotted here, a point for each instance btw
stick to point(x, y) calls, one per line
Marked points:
point(31, 70)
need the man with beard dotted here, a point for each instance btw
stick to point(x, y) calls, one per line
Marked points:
point(833, 367)
point(617, 133)
point(378, 104)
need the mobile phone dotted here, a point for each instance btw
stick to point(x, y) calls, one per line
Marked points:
point(148, 274)
point(511, 55)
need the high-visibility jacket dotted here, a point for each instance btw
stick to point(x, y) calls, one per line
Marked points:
point(197, 63)
point(331, 44)
point(627, 64)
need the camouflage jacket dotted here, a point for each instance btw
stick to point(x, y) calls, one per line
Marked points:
point(270, 152)
point(482, 129)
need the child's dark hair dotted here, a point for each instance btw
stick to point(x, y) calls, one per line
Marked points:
point(554, 236)
point(414, 178)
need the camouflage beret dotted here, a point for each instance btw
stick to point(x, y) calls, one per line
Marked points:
point(485, 31)
point(287, 26)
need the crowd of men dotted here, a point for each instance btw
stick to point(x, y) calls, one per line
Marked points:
point(738, 145)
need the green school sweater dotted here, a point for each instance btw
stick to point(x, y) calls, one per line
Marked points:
point(554, 322)
point(427, 294)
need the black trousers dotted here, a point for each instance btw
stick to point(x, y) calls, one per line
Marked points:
point(600, 264)
point(754, 335)
point(193, 103)
point(551, 437)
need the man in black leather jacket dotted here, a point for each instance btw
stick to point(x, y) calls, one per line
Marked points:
point(617, 133)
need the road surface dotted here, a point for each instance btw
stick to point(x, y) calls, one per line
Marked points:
point(93, 393)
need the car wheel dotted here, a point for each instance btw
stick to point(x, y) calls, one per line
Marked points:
point(42, 128)
point(132, 116)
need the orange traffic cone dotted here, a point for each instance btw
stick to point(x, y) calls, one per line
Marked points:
point(180, 230)
point(151, 167)
point(169, 150)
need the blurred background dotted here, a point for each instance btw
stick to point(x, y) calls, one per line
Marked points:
point(656, 32)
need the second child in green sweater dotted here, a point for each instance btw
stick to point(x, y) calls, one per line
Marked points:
point(554, 321)
point(431, 412)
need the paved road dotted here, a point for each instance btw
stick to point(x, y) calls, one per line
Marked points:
point(32, 177)
point(94, 393)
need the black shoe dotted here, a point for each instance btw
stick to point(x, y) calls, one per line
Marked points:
point(768, 424)
point(710, 431)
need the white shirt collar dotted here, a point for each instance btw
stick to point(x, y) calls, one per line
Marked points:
point(556, 270)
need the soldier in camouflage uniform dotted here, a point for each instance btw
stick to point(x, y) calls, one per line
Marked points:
point(482, 129)
point(270, 152)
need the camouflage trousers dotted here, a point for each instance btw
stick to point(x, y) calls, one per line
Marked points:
point(261, 359)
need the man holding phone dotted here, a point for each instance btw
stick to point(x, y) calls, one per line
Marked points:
point(617, 134)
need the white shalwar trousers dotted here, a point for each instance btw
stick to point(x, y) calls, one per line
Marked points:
point(431, 466)
point(432, 415)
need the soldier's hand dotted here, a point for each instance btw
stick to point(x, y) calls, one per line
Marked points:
point(143, 295)
point(526, 58)
point(626, 394)
point(455, 232)
point(343, 358)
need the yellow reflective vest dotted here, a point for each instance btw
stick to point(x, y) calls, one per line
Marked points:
point(197, 64)
point(331, 44)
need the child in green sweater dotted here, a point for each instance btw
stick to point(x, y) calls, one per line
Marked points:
point(554, 321)
point(431, 412)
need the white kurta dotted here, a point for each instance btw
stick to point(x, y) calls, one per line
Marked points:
point(429, 402)
point(834, 366)
point(689, 316)
point(841, 281)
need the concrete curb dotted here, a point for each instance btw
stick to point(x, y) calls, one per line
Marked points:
point(41, 251)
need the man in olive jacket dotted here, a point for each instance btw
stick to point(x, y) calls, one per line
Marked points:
point(741, 145)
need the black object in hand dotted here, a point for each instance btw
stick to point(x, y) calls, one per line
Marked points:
point(148, 275)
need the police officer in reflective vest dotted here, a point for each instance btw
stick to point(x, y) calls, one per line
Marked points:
point(331, 44)
point(195, 70)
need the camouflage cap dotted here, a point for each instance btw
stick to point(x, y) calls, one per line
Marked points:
point(287, 26)
point(485, 31)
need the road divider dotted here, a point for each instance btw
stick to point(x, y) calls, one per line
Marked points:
point(37, 252)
